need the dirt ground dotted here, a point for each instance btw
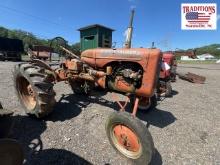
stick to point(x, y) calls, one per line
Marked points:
point(185, 128)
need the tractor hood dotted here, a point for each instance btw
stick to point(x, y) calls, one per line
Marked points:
point(100, 57)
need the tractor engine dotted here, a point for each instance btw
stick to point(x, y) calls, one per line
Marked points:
point(125, 78)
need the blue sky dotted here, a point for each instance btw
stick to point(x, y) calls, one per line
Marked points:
point(155, 20)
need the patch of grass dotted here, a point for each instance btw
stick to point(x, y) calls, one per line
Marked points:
point(196, 62)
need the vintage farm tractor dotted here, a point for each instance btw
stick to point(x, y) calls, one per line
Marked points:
point(133, 72)
point(168, 75)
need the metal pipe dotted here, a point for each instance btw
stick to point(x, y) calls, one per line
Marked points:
point(129, 31)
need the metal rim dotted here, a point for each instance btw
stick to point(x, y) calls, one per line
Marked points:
point(126, 141)
point(144, 103)
point(26, 92)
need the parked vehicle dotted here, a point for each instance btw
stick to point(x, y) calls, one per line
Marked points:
point(11, 49)
point(130, 71)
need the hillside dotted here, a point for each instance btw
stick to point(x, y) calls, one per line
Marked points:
point(213, 49)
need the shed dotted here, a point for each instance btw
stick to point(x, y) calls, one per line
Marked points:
point(94, 36)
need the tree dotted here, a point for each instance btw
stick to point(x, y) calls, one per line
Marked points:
point(3, 32)
point(75, 48)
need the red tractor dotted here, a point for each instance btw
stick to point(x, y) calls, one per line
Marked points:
point(168, 70)
point(167, 74)
point(130, 71)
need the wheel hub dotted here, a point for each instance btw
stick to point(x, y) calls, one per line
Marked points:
point(126, 138)
point(27, 93)
point(32, 97)
point(30, 90)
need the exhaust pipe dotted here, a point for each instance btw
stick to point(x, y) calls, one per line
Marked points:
point(129, 31)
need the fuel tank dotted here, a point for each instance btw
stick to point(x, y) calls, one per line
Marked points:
point(148, 59)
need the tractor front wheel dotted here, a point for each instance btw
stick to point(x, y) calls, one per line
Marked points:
point(130, 137)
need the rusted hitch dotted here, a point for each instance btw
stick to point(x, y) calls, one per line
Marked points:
point(191, 77)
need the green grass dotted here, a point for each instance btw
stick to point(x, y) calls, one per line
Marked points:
point(196, 62)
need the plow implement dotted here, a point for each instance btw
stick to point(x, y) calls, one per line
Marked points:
point(191, 77)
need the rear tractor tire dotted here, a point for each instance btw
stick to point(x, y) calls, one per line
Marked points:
point(80, 87)
point(34, 89)
point(165, 89)
point(146, 104)
point(130, 137)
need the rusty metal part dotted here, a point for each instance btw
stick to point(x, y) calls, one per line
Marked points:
point(120, 84)
point(61, 75)
point(96, 73)
point(85, 76)
point(191, 77)
point(101, 82)
point(69, 52)
point(74, 65)
point(126, 141)
point(42, 64)
point(121, 105)
point(108, 70)
point(40, 52)
point(136, 103)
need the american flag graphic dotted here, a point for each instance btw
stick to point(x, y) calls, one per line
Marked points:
point(196, 17)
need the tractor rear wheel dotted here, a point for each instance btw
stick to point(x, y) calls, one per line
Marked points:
point(80, 87)
point(130, 137)
point(34, 89)
point(147, 104)
point(165, 89)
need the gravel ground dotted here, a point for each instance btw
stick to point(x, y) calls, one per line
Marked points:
point(185, 128)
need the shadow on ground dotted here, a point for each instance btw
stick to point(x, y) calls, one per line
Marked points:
point(157, 117)
point(156, 159)
point(28, 131)
point(174, 92)
point(71, 105)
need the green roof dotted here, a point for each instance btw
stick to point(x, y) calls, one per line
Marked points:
point(93, 26)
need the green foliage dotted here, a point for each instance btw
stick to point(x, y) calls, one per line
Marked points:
point(213, 49)
point(75, 48)
point(30, 39)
